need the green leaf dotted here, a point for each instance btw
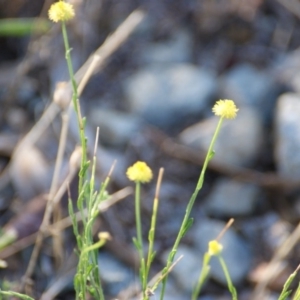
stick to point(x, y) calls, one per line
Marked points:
point(188, 225)
point(285, 292)
point(89, 269)
point(92, 291)
point(172, 254)
point(84, 168)
point(136, 244)
point(211, 154)
point(152, 256)
point(297, 293)
point(77, 280)
point(70, 207)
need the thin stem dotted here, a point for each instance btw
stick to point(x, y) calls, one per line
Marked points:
point(231, 288)
point(20, 296)
point(75, 102)
point(203, 275)
point(190, 205)
point(209, 155)
point(151, 235)
point(139, 238)
point(86, 259)
point(95, 246)
point(138, 219)
point(69, 63)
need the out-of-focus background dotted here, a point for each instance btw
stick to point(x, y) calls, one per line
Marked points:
point(152, 102)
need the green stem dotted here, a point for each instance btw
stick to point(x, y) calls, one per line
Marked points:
point(139, 239)
point(138, 219)
point(203, 275)
point(70, 66)
point(87, 258)
point(15, 294)
point(231, 288)
point(190, 205)
point(151, 238)
point(209, 155)
point(75, 101)
point(95, 246)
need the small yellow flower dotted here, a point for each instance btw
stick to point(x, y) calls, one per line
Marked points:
point(3, 264)
point(61, 11)
point(139, 172)
point(225, 109)
point(214, 248)
point(104, 235)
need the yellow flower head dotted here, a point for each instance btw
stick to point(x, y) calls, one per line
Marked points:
point(139, 172)
point(3, 264)
point(214, 248)
point(225, 109)
point(104, 235)
point(61, 11)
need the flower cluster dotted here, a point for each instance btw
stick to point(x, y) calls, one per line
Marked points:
point(225, 109)
point(214, 248)
point(139, 172)
point(61, 11)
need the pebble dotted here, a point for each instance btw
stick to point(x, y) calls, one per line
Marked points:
point(230, 198)
point(173, 292)
point(287, 70)
point(238, 142)
point(249, 86)
point(114, 274)
point(276, 233)
point(236, 252)
point(190, 264)
point(166, 96)
point(30, 172)
point(116, 128)
point(287, 136)
point(17, 119)
point(176, 49)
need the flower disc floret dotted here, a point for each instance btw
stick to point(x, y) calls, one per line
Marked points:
point(61, 11)
point(139, 172)
point(214, 248)
point(225, 109)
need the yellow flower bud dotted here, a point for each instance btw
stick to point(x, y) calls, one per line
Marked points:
point(104, 235)
point(225, 109)
point(214, 248)
point(139, 172)
point(3, 264)
point(61, 11)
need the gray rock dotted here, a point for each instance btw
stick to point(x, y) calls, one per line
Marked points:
point(248, 86)
point(187, 270)
point(239, 140)
point(276, 232)
point(172, 292)
point(287, 70)
point(177, 49)
point(30, 172)
point(287, 136)
point(208, 297)
point(114, 274)
point(116, 128)
point(230, 198)
point(165, 96)
point(236, 252)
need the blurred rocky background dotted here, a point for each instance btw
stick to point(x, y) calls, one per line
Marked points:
point(152, 102)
